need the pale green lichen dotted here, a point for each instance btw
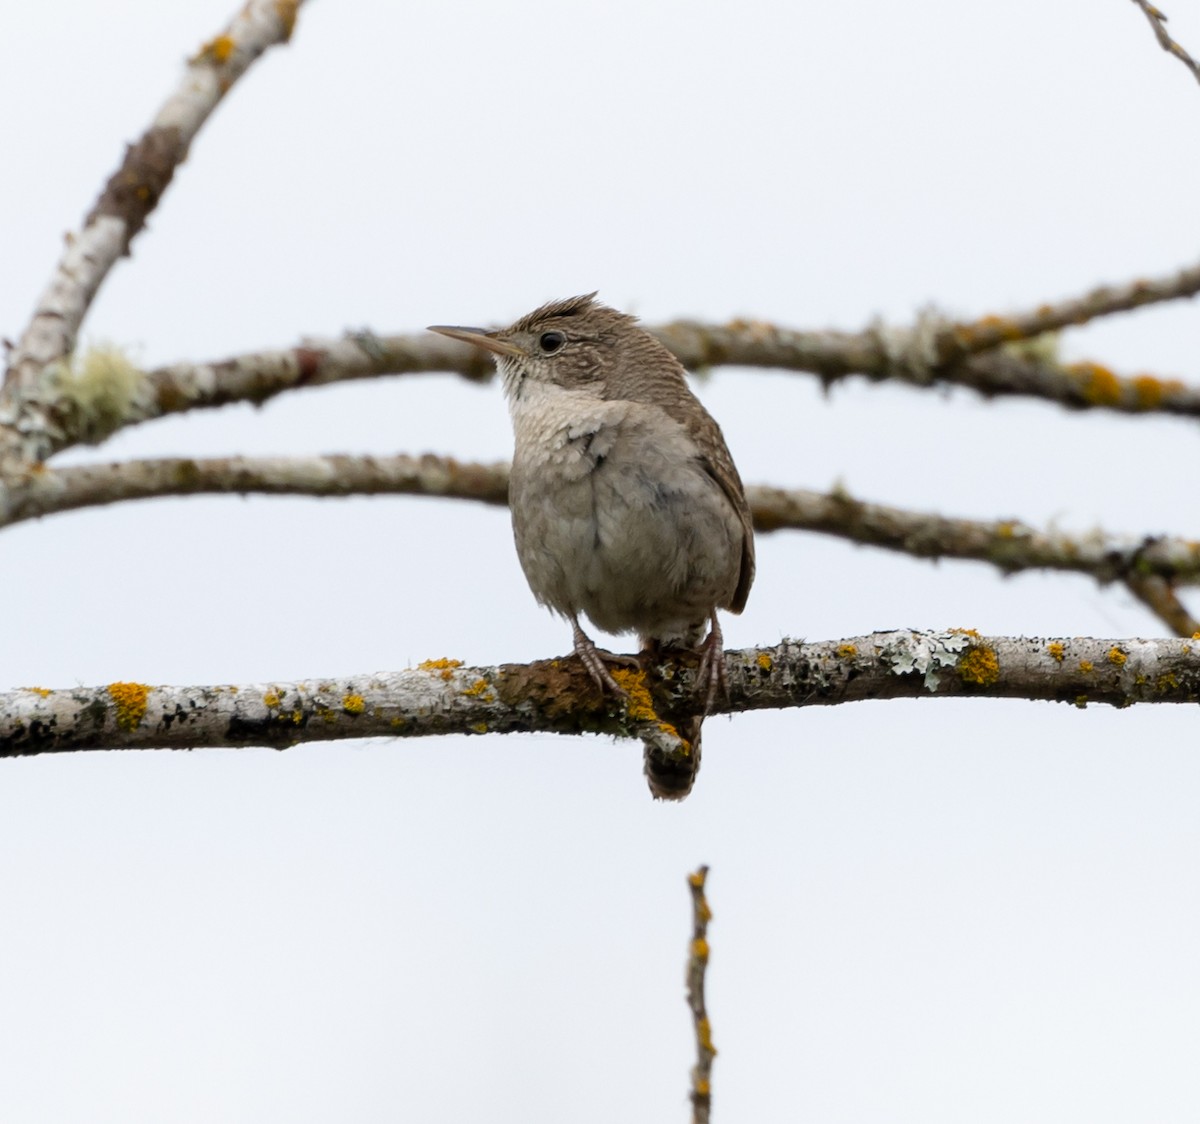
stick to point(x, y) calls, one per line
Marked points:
point(97, 391)
point(927, 654)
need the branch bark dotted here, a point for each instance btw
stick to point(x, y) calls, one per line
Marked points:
point(558, 696)
point(1158, 21)
point(30, 423)
point(697, 966)
point(1148, 564)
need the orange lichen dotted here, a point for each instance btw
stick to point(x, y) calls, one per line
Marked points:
point(966, 632)
point(700, 949)
point(1167, 682)
point(639, 706)
point(477, 689)
point(353, 704)
point(1115, 655)
point(272, 699)
point(45, 692)
point(218, 50)
point(696, 880)
point(704, 1035)
point(130, 701)
point(979, 665)
point(1086, 666)
point(1056, 649)
point(1099, 385)
point(846, 651)
point(445, 667)
point(764, 661)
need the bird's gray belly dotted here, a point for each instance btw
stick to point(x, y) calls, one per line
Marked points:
point(644, 543)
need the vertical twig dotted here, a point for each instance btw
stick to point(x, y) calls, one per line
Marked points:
point(697, 963)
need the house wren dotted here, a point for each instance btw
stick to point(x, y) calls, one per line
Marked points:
point(626, 504)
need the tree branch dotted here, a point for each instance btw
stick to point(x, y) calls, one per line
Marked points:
point(1157, 20)
point(1007, 544)
point(30, 421)
point(697, 965)
point(558, 696)
point(934, 350)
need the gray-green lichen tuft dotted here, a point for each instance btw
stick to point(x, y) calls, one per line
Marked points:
point(97, 391)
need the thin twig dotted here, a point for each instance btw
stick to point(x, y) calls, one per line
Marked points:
point(29, 424)
point(443, 696)
point(697, 965)
point(1157, 20)
point(1156, 593)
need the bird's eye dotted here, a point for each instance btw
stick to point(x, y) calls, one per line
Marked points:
point(550, 342)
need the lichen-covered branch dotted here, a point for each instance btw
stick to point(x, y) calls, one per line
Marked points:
point(1158, 21)
point(558, 696)
point(30, 423)
point(1008, 544)
point(697, 965)
point(933, 350)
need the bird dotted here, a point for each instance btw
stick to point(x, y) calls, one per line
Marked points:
point(627, 507)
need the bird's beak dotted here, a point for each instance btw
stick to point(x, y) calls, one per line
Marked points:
point(479, 337)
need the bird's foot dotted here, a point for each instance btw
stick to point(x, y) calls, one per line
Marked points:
point(710, 675)
point(595, 660)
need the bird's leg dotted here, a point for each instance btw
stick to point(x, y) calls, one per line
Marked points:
point(589, 655)
point(710, 675)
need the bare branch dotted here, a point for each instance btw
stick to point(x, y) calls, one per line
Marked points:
point(1008, 544)
point(697, 964)
point(558, 696)
point(971, 337)
point(31, 427)
point(1157, 20)
point(1156, 594)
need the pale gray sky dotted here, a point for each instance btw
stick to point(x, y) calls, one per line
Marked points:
point(924, 911)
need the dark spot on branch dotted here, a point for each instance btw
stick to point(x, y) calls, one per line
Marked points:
point(136, 186)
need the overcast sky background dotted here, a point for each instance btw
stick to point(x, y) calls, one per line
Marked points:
point(924, 911)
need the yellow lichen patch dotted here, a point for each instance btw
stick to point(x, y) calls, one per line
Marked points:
point(480, 727)
point(219, 50)
point(477, 690)
point(1086, 666)
point(990, 327)
point(1148, 391)
point(1006, 530)
point(1081, 701)
point(966, 632)
point(704, 1034)
point(130, 701)
point(1167, 682)
point(764, 661)
point(297, 717)
point(1116, 656)
point(1056, 649)
point(1196, 635)
point(396, 723)
point(639, 705)
point(1099, 385)
point(696, 880)
point(326, 715)
point(703, 1088)
point(45, 692)
point(700, 949)
point(353, 704)
point(443, 666)
point(846, 651)
point(272, 699)
point(979, 665)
